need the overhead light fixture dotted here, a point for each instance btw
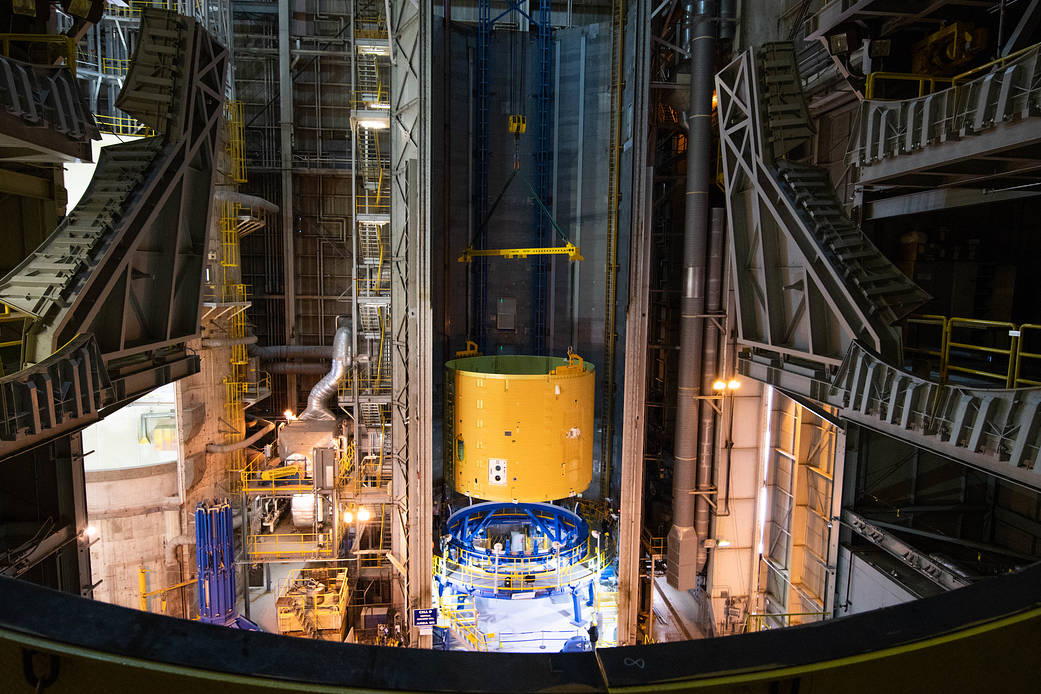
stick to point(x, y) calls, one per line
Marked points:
point(371, 118)
point(733, 384)
point(719, 384)
point(372, 47)
point(880, 48)
point(348, 517)
point(90, 532)
point(722, 543)
point(364, 514)
point(839, 43)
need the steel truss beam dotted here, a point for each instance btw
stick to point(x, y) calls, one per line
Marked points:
point(411, 314)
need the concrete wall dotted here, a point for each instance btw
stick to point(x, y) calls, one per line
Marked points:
point(135, 511)
point(732, 568)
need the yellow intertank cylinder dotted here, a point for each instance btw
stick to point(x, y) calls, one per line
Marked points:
point(519, 427)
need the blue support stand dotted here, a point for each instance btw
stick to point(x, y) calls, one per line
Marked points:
point(215, 564)
point(576, 603)
point(592, 596)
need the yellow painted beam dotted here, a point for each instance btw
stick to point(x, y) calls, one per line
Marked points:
point(569, 249)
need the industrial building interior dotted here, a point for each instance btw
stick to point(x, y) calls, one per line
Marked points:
point(521, 327)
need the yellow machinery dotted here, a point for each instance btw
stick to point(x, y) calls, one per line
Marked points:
point(518, 124)
point(521, 426)
point(945, 51)
point(312, 603)
point(281, 472)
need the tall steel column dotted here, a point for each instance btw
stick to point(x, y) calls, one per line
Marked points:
point(634, 394)
point(412, 366)
point(683, 537)
point(285, 119)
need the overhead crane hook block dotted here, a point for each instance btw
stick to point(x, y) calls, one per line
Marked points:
point(518, 124)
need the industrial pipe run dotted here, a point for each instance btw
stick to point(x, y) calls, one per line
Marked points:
point(248, 441)
point(318, 399)
point(684, 536)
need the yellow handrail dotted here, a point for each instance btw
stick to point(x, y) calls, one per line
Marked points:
point(65, 42)
point(923, 81)
point(931, 81)
point(1022, 354)
point(1011, 376)
point(999, 62)
point(973, 323)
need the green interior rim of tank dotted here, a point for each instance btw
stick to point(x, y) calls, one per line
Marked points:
point(509, 365)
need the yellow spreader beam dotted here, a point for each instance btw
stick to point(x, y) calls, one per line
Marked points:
point(569, 249)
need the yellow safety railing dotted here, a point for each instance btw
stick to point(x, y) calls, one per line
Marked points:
point(998, 63)
point(66, 44)
point(287, 545)
point(144, 594)
point(255, 481)
point(655, 546)
point(254, 387)
point(999, 329)
point(927, 84)
point(461, 614)
point(122, 125)
point(1026, 332)
point(9, 320)
point(991, 350)
point(115, 66)
point(346, 467)
point(933, 345)
point(756, 621)
point(531, 576)
point(133, 8)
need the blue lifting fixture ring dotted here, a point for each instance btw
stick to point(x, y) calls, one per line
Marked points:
point(502, 550)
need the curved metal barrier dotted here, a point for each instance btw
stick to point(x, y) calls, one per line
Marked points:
point(979, 638)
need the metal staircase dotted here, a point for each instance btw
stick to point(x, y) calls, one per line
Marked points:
point(52, 272)
point(883, 289)
point(784, 107)
point(461, 614)
point(809, 283)
point(817, 300)
point(125, 267)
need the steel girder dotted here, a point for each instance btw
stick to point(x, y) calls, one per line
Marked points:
point(411, 312)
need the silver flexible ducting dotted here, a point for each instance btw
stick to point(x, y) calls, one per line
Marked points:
point(317, 407)
point(228, 341)
point(279, 352)
point(239, 445)
point(295, 367)
point(245, 200)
